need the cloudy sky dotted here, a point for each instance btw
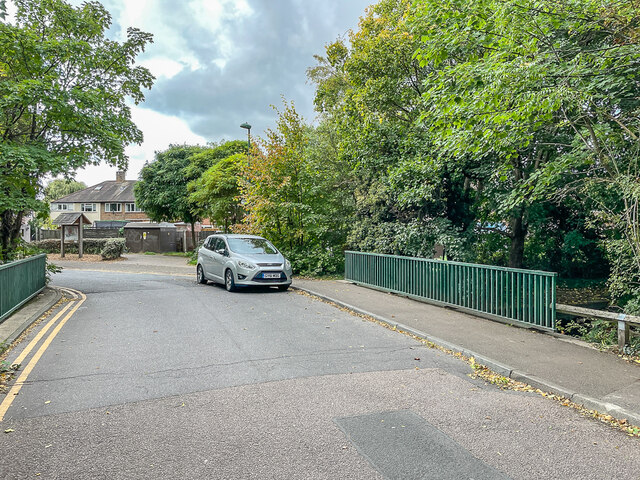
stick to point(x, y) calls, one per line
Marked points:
point(219, 63)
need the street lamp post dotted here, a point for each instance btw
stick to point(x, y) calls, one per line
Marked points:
point(248, 127)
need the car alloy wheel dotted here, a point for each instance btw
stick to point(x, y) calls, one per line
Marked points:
point(228, 281)
point(200, 275)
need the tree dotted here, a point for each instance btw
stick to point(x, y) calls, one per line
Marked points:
point(63, 91)
point(272, 191)
point(370, 87)
point(216, 194)
point(162, 190)
point(59, 188)
point(166, 183)
point(295, 192)
point(547, 94)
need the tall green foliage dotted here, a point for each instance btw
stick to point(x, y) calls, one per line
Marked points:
point(292, 191)
point(371, 88)
point(215, 194)
point(546, 93)
point(162, 190)
point(61, 187)
point(172, 187)
point(63, 91)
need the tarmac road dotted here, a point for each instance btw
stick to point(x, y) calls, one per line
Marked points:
point(155, 376)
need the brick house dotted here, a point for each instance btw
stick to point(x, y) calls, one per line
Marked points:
point(106, 201)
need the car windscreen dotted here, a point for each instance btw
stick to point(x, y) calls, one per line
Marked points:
point(251, 245)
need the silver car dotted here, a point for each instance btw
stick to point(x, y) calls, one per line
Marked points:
point(242, 260)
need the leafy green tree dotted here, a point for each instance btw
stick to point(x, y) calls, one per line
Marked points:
point(162, 189)
point(370, 86)
point(63, 91)
point(61, 187)
point(166, 183)
point(215, 194)
point(546, 93)
point(212, 154)
point(293, 190)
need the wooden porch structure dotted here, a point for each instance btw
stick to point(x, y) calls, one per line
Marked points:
point(74, 219)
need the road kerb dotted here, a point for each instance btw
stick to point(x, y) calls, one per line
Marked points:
point(24, 325)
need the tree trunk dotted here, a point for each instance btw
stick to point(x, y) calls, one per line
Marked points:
point(517, 225)
point(193, 235)
point(10, 223)
point(518, 229)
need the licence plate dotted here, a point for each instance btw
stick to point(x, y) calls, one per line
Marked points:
point(271, 275)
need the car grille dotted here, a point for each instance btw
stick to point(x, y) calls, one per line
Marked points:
point(259, 277)
point(269, 264)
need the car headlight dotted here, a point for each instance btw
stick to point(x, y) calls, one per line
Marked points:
point(246, 265)
point(287, 264)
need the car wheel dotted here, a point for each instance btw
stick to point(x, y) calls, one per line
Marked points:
point(229, 284)
point(283, 288)
point(200, 275)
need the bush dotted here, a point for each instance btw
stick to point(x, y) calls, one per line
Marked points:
point(92, 246)
point(113, 248)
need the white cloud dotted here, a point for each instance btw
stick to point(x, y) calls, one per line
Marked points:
point(219, 63)
point(160, 131)
point(162, 67)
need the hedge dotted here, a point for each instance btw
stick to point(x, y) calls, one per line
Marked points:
point(92, 246)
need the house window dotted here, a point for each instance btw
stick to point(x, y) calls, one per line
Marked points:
point(88, 207)
point(131, 207)
point(112, 207)
point(63, 206)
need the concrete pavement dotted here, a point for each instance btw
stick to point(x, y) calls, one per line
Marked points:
point(563, 366)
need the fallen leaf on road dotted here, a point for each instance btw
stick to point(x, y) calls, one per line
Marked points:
point(9, 430)
point(47, 402)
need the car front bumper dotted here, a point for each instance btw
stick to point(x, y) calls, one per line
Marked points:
point(262, 278)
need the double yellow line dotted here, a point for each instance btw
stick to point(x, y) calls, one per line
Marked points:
point(71, 307)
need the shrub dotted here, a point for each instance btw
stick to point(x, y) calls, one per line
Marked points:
point(92, 246)
point(113, 248)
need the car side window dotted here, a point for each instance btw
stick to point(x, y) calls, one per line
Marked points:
point(218, 244)
point(209, 243)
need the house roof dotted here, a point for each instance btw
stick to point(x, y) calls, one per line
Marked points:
point(72, 218)
point(109, 191)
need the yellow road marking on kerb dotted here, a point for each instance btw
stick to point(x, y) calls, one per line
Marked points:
point(40, 334)
point(8, 400)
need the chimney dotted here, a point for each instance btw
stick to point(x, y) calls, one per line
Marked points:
point(120, 175)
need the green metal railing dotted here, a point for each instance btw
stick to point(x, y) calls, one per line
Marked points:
point(19, 282)
point(511, 294)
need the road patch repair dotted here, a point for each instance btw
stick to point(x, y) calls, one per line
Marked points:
point(402, 444)
point(349, 297)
